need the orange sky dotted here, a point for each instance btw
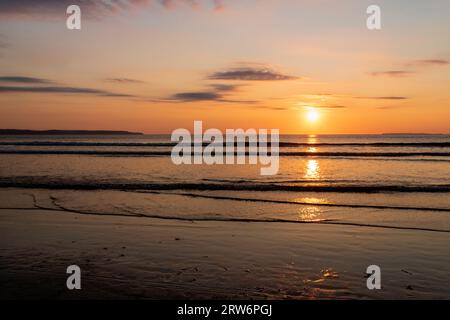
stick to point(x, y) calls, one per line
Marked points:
point(154, 67)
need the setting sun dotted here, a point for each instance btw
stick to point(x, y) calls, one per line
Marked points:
point(312, 115)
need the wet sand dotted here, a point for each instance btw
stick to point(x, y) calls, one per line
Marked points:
point(134, 257)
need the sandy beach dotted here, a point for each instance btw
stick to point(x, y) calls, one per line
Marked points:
point(138, 257)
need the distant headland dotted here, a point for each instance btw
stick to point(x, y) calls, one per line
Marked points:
point(66, 132)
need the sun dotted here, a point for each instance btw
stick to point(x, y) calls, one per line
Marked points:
point(312, 115)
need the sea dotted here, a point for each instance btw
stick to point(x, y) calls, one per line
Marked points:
point(392, 181)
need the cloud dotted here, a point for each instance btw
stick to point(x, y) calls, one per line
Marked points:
point(393, 73)
point(385, 98)
point(62, 90)
point(272, 108)
point(196, 96)
point(217, 92)
point(429, 62)
point(91, 8)
point(250, 74)
point(25, 80)
point(41, 85)
point(123, 80)
point(224, 87)
point(200, 96)
point(25, 8)
point(416, 64)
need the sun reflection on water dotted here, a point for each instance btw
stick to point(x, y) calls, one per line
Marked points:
point(312, 200)
point(312, 139)
point(312, 169)
point(309, 214)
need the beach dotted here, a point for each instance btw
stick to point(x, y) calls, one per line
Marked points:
point(130, 257)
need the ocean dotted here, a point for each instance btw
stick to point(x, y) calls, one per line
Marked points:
point(138, 225)
point(392, 181)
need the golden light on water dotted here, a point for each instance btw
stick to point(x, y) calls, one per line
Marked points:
point(312, 169)
point(312, 139)
point(309, 214)
point(312, 200)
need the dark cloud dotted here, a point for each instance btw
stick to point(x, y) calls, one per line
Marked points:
point(250, 74)
point(200, 96)
point(45, 7)
point(429, 62)
point(385, 98)
point(224, 87)
point(416, 64)
point(217, 93)
point(25, 80)
point(41, 85)
point(390, 98)
point(91, 8)
point(123, 80)
point(61, 89)
point(393, 73)
point(196, 96)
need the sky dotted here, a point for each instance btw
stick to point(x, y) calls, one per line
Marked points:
point(300, 66)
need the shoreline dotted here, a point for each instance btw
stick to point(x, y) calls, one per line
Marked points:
point(128, 258)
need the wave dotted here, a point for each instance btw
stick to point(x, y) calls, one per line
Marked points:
point(168, 153)
point(40, 183)
point(303, 203)
point(228, 219)
point(171, 144)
